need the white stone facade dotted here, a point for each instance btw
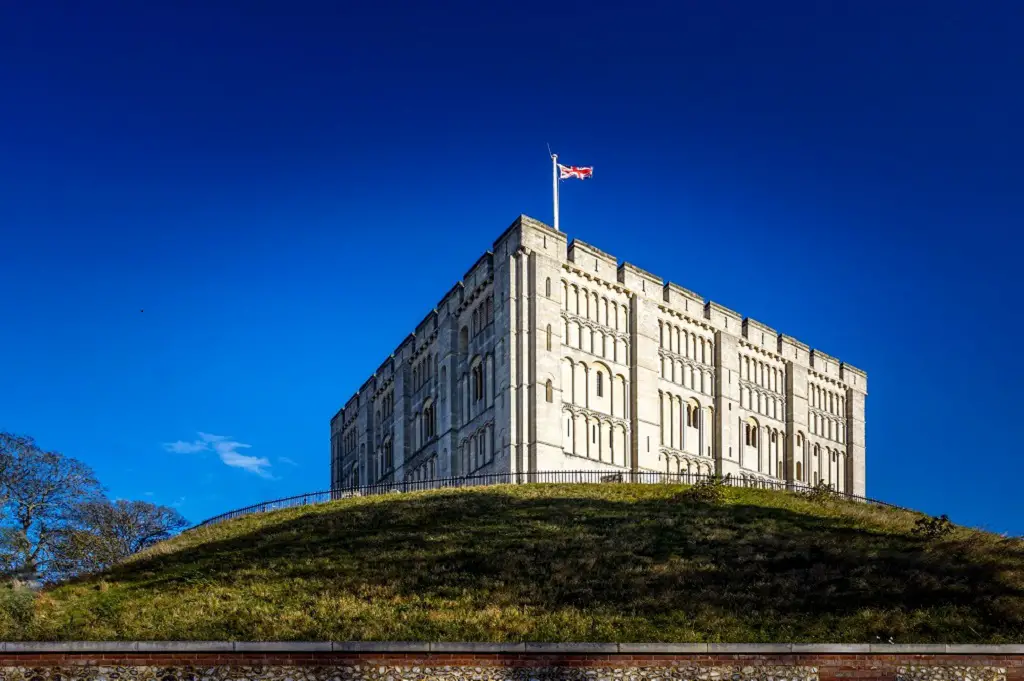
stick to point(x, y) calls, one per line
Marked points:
point(552, 356)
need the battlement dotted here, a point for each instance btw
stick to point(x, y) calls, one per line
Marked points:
point(723, 317)
point(452, 299)
point(824, 364)
point(639, 280)
point(681, 298)
point(385, 371)
point(760, 335)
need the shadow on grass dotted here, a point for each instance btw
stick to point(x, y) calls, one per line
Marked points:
point(760, 572)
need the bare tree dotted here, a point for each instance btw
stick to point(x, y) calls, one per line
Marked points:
point(102, 533)
point(40, 491)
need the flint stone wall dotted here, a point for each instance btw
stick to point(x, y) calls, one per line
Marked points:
point(284, 661)
point(425, 672)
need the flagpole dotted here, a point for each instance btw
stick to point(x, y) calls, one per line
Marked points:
point(554, 185)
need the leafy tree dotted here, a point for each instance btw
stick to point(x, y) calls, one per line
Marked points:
point(102, 533)
point(39, 492)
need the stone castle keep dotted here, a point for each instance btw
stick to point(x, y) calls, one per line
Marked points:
point(551, 356)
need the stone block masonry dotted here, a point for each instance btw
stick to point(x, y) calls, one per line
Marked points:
point(359, 661)
point(553, 356)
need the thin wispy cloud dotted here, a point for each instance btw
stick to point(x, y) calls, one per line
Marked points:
point(285, 459)
point(182, 447)
point(227, 449)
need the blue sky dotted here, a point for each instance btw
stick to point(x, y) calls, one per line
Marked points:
point(218, 218)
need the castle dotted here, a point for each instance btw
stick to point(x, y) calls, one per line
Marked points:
point(550, 356)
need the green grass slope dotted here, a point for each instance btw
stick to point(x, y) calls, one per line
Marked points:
point(554, 563)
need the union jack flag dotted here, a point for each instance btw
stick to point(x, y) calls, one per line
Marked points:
point(575, 171)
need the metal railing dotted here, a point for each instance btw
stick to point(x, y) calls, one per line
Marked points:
point(545, 477)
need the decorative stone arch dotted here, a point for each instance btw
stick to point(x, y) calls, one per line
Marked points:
point(489, 380)
point(600, 391)
point(751, 432)
point(429, 419)
point(568, 424)
point(387, 454)
point(568, 385)
point(475, 387)
point(581, 383)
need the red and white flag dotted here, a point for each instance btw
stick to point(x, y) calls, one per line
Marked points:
point(575, 171)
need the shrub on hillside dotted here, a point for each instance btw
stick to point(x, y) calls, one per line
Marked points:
point(933, 528)
point(821, 492)
point(708, 491)
point(17, 605)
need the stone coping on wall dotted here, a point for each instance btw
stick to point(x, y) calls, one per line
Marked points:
point(65, 647)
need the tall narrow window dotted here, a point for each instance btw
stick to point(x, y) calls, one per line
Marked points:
point(600, 383)
point(547, 287)
point(549, 391)
point(549, 337)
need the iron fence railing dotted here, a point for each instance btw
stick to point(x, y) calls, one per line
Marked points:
point(545, 477)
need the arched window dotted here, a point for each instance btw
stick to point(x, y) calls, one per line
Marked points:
point(549, 335)
point(600, 384)
point(549, 391)
point(478, 382)
point(547, 287)
point(799, 470)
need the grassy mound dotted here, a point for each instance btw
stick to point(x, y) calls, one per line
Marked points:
point(553, 563)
